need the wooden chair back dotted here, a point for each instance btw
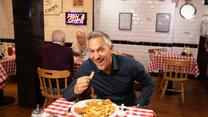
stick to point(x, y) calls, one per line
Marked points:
point(127, 55)
point(154, 50)
point(52, 81)
point(176, 69)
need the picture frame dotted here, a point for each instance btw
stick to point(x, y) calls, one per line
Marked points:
point(77, 2)
point(163, 22)
point(125, 21)
point(53, 7)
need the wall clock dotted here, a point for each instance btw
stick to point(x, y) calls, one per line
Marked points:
point(188, 11)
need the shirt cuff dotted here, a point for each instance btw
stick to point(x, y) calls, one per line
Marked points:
point(139, 106)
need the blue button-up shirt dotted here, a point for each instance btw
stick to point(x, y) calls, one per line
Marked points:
point(119, 85)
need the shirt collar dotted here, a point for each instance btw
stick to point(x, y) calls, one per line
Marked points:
point(56, 42)
point(114, 63)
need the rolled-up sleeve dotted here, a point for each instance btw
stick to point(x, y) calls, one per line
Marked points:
point(69, 92)
point(146, 82)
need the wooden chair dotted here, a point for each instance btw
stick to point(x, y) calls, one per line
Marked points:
point(154, 50)
point(51, 83)
point(175, 71)
point(124, 54)
point(137, 86)
point(127, 55)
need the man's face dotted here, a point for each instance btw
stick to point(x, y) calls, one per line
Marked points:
point(100, 54)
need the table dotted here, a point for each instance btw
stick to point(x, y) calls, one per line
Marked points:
point(9, 65)
point(7, 69)
point(157, 62)
point(3, 73)
point(60, 107)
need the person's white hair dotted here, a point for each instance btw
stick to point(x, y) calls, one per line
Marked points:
point(80, 33)
point(58, 36)
point(103, 35)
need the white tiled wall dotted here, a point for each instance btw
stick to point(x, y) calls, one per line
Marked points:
point(144, 22)
point(188, 31)
point(6, 19)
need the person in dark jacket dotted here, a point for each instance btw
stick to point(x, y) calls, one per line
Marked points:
point(114, 75)
point(56, 56)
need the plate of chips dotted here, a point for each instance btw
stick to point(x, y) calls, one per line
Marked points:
point(95, 108)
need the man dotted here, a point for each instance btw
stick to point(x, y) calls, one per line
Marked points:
point(114, 75)
point(56, 56)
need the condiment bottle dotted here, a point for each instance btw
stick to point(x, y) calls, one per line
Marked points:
point(37, 112)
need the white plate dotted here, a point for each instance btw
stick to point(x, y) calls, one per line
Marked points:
point(82, 103)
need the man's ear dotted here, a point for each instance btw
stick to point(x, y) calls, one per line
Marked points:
point(111, 47)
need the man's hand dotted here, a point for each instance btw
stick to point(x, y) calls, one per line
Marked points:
point(81, 84)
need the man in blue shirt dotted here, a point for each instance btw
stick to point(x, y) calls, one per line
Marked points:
point(114, 75)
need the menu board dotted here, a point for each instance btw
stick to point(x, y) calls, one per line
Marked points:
point(76, 18)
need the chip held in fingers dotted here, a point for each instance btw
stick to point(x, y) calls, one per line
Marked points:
point(92, 74)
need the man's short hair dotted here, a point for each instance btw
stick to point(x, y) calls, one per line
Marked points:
point(96, 34)
point(58, 36)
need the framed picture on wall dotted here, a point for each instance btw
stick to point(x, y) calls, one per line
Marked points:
point(163, 22)
point(78, 2)
point(125, 21)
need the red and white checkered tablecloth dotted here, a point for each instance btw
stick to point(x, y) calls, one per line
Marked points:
point(9, 66)
point(61, 106)
point(157, 62)
point(3, 73)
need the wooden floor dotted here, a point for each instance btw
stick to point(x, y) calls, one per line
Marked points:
point(196, 104)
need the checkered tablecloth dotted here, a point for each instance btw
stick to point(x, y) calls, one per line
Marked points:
point(61, 106)
point(157, 62)
point(3, 73)
point(8, 66)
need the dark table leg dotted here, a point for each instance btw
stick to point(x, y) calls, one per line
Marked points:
point(170, 86)
point(5, 100)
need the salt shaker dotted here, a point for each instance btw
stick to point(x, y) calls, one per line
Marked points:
point(122, 113)
point(37, 112)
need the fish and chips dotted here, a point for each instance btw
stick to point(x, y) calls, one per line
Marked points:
point(99, 108)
